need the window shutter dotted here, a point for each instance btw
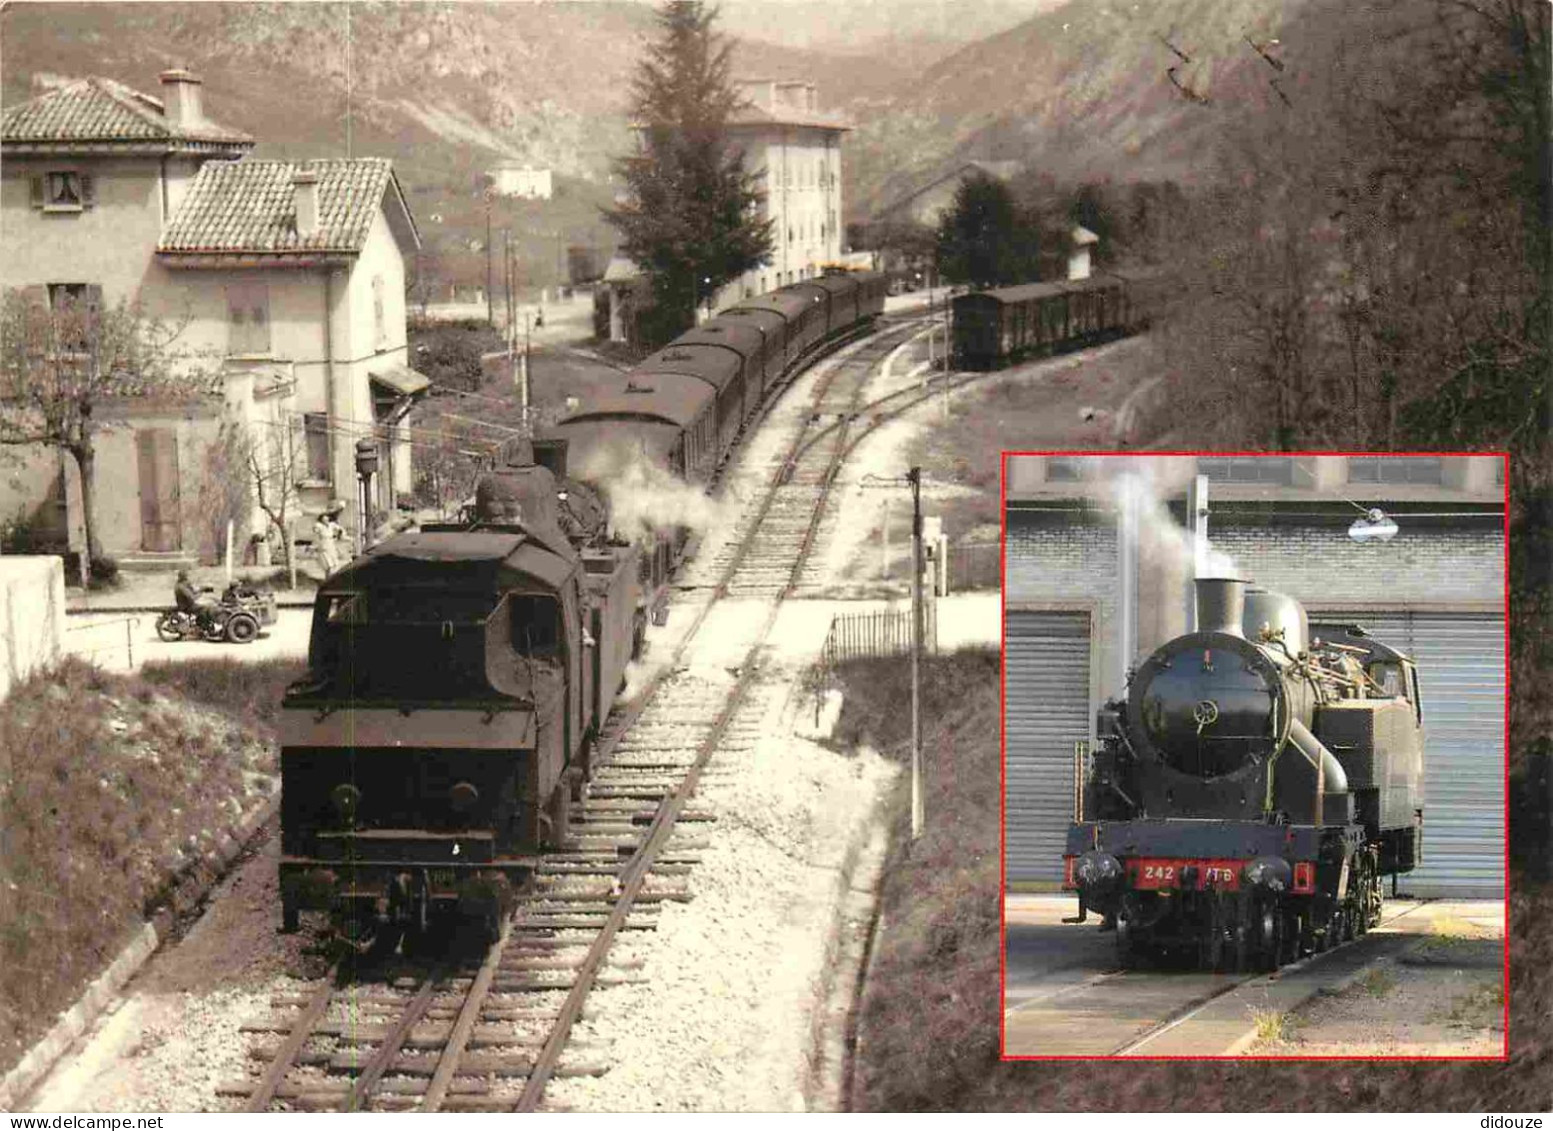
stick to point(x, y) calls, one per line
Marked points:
point(88, 191)
point(35, 183)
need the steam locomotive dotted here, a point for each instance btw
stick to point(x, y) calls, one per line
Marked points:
point(1246, 799)
point(458, 676)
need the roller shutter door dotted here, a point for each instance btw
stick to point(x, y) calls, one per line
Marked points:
point(1461, 678)
point(1046, 666)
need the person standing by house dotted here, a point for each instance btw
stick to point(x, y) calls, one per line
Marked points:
point(327, 533)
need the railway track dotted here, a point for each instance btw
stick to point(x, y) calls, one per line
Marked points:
point(487, 1031)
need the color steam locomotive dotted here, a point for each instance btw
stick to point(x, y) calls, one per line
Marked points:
point(1252, 790)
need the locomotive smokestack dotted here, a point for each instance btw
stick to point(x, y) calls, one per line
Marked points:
point(1221, 604)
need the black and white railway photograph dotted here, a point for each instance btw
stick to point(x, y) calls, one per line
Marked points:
point(1254, 733)
point(634, 555)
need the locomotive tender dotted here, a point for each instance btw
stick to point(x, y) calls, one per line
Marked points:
point(457, 678)
point(1252, 790)
point(459, 675)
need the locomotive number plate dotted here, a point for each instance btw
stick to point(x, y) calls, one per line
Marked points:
point(1153, 875)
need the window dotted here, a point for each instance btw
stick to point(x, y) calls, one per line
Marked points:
point(1395, 469)
point(1065, 469)
point(75, 306)
point(63, 190)
point(1278, 470)
point(72, 296)
point(315, 429)
point(248, 319)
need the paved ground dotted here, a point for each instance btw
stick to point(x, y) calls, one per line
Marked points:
point(1064, 995)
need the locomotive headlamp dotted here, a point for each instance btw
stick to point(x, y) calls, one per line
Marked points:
point(1097, 870)
point(1375, 526)
point(1269, 873)
point(346, 799)
point(463, 797)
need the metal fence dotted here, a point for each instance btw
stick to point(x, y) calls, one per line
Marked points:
point(975, 565)
point(885, 633)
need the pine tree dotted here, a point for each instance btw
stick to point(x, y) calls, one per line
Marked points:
point(691, 216)
point(983, 239)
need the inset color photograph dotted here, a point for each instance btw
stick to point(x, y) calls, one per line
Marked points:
point(1254, 756)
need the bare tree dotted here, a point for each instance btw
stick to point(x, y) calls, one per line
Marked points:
point(276, 460)
point(62, 356)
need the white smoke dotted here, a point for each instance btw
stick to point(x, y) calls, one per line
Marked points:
point(1144, 482)
point(643, 495)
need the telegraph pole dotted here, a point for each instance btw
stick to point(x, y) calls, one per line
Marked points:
point(490, 297)
point(914, 477)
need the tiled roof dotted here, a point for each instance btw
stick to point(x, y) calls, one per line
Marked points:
point(250, 207)
point(98, 111)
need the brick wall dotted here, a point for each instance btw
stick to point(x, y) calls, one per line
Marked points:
point(1320, 564)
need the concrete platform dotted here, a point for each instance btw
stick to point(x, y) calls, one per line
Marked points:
point(1064, 994)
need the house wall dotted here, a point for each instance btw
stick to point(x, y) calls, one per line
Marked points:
point(109, 244)
point(32, 492)
point(119, 492)
point(32, 616)
point(802, 183)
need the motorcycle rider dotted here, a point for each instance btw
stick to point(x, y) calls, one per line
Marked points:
point(192, 601)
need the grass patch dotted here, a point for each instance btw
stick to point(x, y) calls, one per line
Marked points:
point(930, 1015)
point(249, 693)
point(1273, 1026)
point(1482, 1007)
point(1378, 981)
point(111, 786)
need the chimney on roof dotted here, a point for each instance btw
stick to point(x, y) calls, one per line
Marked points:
point(181, 97)
point(304, 184)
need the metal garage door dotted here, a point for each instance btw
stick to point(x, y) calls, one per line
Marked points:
point(1046, 665)
point(1462, 681)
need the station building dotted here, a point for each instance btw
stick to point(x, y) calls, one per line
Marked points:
point(1097, 576)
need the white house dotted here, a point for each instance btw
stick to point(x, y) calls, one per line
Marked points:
point(512, 179)
point(796, 149)
point(287, 280)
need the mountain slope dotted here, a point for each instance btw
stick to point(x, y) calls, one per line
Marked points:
point(1084, 90)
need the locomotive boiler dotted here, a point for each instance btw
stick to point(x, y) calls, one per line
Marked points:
point(457, 678)
point(1256, 784)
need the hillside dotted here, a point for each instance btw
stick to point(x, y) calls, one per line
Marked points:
point(1077, 92)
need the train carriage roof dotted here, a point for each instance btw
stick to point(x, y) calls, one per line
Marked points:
point(1028, 292)
point(790, 304)
point(727, 333)
point(712, 364)
point(763, 317)
point(671, 397)
point(836, 284)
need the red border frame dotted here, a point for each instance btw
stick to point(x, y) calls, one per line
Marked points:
point(1504, 457)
